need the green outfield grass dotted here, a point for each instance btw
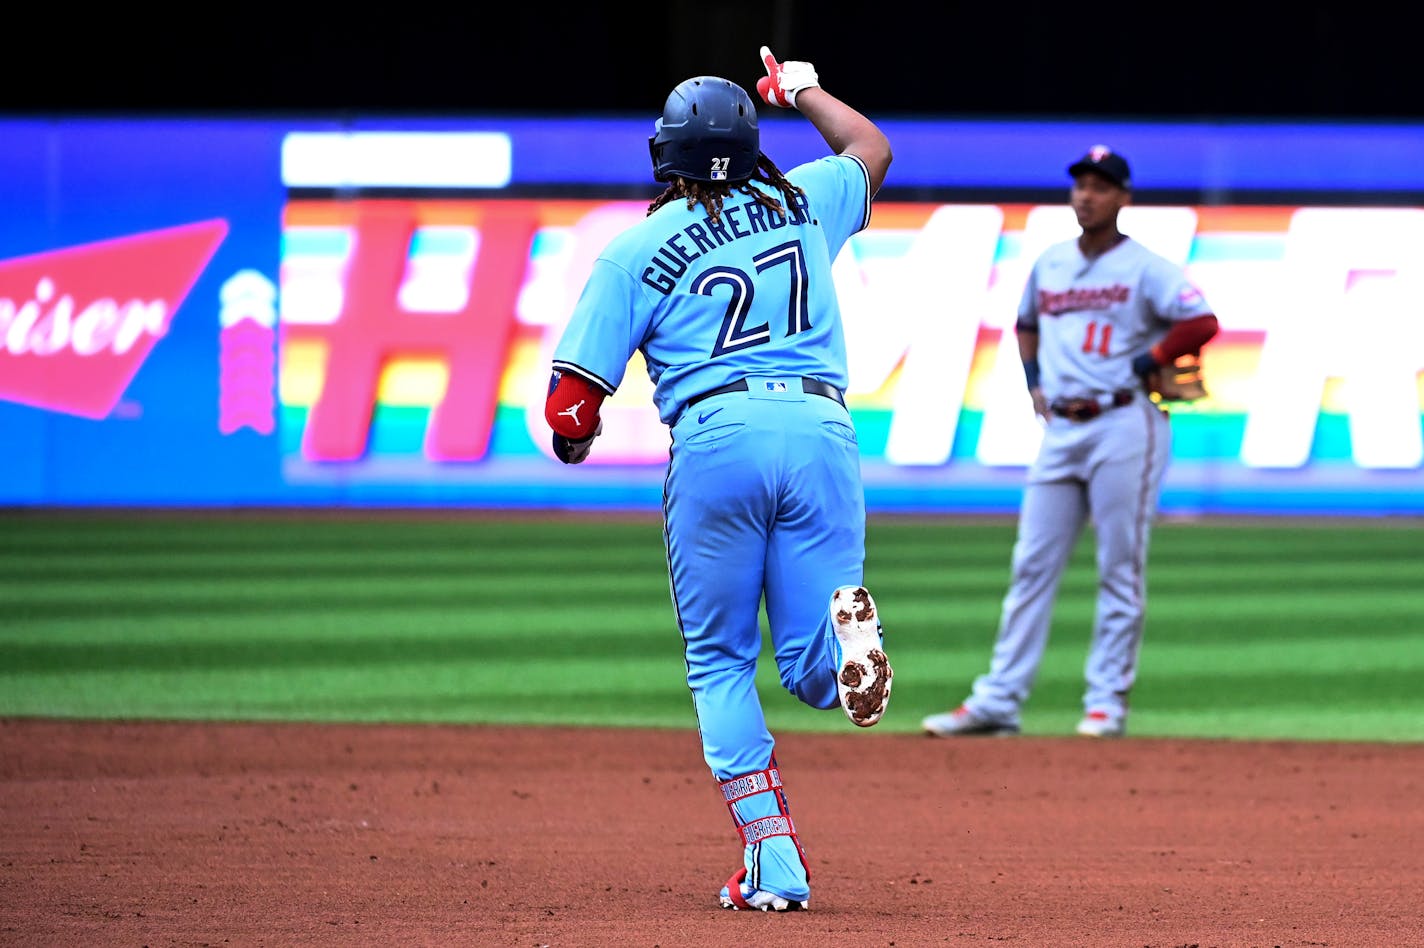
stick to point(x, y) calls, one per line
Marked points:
point(1262, 629)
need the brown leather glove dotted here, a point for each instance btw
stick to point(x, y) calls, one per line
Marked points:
point(1181, 381)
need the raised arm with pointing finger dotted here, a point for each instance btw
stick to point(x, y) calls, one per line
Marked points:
point(795, 85)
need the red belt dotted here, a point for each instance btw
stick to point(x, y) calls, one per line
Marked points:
point(1084, 409)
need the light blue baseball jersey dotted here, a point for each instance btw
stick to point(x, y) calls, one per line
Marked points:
point(709, 303)
point(1093, 316)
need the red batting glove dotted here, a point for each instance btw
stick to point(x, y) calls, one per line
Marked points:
point(783, 80)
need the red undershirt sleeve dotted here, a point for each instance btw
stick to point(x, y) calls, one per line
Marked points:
point(1184, 337)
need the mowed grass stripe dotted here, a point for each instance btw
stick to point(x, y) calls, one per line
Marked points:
point(22, 532)
point(1361, 593)
point(282, 594)
point(431, 689)
point(57, 568)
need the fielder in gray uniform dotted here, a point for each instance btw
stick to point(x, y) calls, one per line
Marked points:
point(1099, 315)
point(726, 290)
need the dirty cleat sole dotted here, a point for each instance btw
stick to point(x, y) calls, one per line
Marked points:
point(863, 679)
point(738, 896)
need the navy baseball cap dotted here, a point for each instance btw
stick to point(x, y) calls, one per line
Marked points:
point(1102, 160)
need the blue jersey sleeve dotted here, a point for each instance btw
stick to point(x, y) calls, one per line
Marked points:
point(607, 326)
point(838, 190)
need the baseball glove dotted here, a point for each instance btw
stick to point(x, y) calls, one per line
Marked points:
point(1179, 381)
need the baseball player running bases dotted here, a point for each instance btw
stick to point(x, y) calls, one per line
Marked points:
point(725, 288)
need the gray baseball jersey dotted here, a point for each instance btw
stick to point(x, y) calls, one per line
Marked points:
point(1093, 316)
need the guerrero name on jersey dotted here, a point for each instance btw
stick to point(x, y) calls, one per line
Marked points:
point(692, 285)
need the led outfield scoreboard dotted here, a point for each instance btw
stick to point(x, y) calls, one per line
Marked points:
point(257, 312)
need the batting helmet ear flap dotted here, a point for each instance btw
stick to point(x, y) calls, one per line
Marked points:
point(655, 152)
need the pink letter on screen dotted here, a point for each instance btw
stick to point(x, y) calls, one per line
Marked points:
point(372, 330)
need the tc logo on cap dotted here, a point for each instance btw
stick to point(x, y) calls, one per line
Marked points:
point(1102, 160)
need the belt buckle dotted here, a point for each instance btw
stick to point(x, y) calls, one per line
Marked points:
point(1078, 409)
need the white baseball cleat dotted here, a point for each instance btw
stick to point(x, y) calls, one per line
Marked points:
point(1101, 724)
point(740, 895)
point(863, 677)
point(964, 722)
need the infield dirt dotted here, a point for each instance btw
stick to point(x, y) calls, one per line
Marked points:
point(282, 834)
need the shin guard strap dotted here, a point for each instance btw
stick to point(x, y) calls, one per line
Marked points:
point(759, 781)
point(758, 830)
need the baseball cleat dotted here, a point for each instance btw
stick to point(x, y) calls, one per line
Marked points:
point(738, 896)
point(962, 722)
point(1101, 724)
point(863, 678)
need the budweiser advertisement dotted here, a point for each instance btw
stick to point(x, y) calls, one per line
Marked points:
point(76, 324)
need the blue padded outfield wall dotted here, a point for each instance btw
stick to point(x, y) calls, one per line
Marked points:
point(205, 312)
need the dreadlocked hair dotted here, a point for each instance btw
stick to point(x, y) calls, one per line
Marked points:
point(711, 194)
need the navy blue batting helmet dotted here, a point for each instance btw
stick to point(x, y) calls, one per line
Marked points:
point(708, 132)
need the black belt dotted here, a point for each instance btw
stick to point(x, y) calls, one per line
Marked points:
point(1083, 409)
point(809, 386)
